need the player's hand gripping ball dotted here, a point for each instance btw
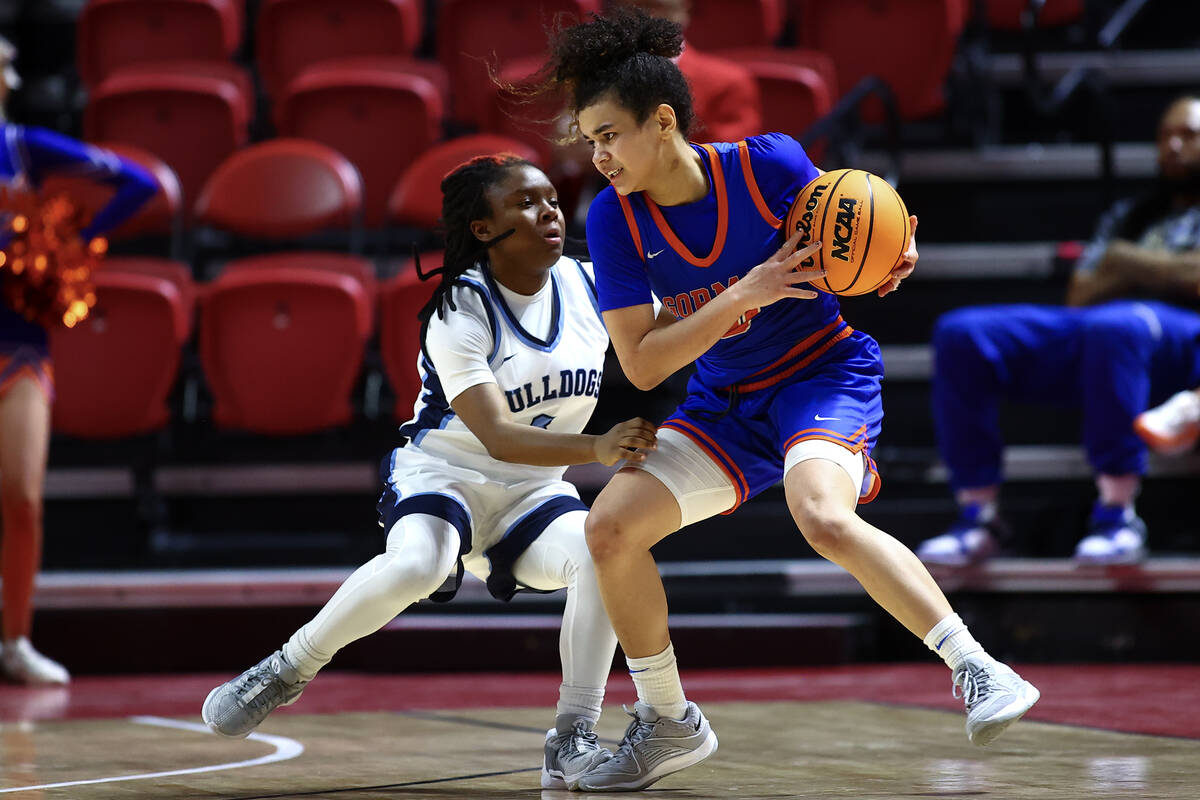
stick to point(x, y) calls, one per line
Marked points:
point(862, 224)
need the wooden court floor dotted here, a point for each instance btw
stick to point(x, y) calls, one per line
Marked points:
point(815, 740)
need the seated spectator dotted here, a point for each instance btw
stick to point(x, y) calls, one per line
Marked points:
point(1123, 344)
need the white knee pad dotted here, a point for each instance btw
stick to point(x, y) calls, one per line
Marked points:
point(854, 463)
point(700, 486)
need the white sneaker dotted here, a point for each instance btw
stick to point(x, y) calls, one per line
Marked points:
point(1116, 535)
point(23, 664)
point(1173, 427)
point(994, 695)
point(969, 541)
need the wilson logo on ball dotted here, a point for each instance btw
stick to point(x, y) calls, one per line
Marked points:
point(862, 225)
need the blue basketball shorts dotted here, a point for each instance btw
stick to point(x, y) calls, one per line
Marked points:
point(747, 433)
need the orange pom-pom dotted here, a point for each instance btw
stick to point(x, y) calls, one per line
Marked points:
point(48, 265)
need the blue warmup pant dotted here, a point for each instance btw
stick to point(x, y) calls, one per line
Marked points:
point(1111, 362)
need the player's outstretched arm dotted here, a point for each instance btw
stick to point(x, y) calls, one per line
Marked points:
point(483, 410)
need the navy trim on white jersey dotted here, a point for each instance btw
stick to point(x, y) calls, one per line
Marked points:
point(436, 412)
point(591, 287)
point(391, 509)
point(503, 555)
point(515, 326)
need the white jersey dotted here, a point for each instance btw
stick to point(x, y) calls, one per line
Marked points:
point(545, 352)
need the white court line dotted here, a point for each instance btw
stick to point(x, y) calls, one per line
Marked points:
point(284, 749)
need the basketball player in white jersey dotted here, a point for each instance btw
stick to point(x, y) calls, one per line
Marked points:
point(513, 350)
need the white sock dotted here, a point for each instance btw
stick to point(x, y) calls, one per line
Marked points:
point(579, 701)
point(951, 640)
point(656, 679)
point(304, 658)
point(1118, 490)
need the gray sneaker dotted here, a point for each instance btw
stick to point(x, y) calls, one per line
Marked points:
point(653, 748)
point(236, 708)
point(571, 753)
point(995, 697)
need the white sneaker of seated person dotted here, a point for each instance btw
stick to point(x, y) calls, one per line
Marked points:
point(1173, 427)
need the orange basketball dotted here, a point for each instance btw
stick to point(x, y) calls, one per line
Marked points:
point(862, 225)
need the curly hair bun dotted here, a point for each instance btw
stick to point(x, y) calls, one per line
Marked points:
point(606, 42)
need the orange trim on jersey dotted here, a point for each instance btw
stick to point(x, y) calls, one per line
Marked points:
point(851, 443)
point(808, 342)
point(722, 217)
point(799, 365)
point(752, 185)
point(877, 481)
point(42, 374)
point(876, 484)
point(633, 226)
point(741, 487)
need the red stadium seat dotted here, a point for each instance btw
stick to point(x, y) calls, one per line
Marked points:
point(281, 188)
point(400, 299)
point(796, 86)
point(910, 44)
point(717, 24)
point(417, 198)
point(115, 369)
point(160, 214)
point(294, 34)
point(793, 97)
point(1006, 14)
point(356, 267)
point(112, 34)
point(221, 70)
point(534, 122)
point(473, 33)
point(281, 348)
point(432, 71)
point(192, 122)
point(378, 118)
point(819, 62)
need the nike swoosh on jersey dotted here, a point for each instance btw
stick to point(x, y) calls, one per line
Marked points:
point(656, 253)
point(819, 418)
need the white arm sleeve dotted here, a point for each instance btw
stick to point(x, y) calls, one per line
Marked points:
point(459, 345)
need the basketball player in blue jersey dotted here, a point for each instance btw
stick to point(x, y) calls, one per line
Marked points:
point(27, 156)
point(512, 357)
point(784, 389)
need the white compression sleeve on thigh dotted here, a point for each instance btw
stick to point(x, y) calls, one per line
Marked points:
point(853, 463)
point(586, 643)
point(421, 551)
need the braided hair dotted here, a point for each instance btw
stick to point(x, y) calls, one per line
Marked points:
point(464, 199)
point(627, 52)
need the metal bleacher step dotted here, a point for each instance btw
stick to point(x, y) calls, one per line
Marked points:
point(1127, 68)
point(1016, 163)
point(727, 613)
point(1021, 461)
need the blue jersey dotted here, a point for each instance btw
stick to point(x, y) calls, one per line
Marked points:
point(688, 254)
point(27, 156)
point(788, 373)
